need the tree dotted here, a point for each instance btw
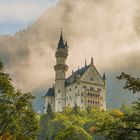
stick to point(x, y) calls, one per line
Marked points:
point(76, 109)
point(50, 112)
point(17, 117)
point(127, 126)
point(73, 133)
point(131, 83)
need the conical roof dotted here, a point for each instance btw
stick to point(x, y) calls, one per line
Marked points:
point(61, 44)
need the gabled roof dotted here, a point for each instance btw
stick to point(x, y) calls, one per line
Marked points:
point(50, 92)
point(72, 78)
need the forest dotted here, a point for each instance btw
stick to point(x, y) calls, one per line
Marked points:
point(19, 121)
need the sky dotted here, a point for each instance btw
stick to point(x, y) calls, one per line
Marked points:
point(16, 15)
point(107, 30)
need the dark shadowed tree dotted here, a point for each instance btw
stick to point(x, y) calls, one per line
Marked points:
point(131, 83)
point(50, 113)
point(17, 117)
point(76, 109)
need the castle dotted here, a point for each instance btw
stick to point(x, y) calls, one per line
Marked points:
point(84, 88)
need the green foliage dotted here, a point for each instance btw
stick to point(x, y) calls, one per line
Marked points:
point(73, 133)
point(124, 108)
point(83, 120)
point(1, 65)
point(76, 109)
point(124, 126)
point(131, 83)
point(17, 117)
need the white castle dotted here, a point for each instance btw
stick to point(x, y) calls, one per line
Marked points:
point(84, 88)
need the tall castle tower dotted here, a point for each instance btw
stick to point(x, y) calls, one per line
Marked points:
point(60, 74)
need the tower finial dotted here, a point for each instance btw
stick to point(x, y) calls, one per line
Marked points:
point(104, 76)
point(61, 31)
point(91, 60)
point(85, 62)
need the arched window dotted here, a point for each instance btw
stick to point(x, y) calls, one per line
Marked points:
point(91, 79)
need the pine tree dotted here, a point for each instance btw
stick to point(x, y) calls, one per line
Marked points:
point(76, 109)
point(50, 112)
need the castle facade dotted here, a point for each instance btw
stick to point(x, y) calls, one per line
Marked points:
point(84, 88)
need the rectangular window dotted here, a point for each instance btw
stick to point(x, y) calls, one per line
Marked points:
point(91, 88)
point(99, 89)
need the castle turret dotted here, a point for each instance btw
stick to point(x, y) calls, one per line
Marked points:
point(60, 74)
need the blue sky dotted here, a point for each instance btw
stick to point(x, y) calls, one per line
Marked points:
point(18, 14)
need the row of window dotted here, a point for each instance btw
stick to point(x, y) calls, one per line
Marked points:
point(89, 95)
point(93, 102)
point(85, 87)
point(93, 95)
point(91, 88)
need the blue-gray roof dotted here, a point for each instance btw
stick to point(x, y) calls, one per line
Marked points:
point(50, 92)
point(72, 78)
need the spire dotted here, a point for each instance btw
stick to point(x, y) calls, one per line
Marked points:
point(104, 76)
point(61, 41)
